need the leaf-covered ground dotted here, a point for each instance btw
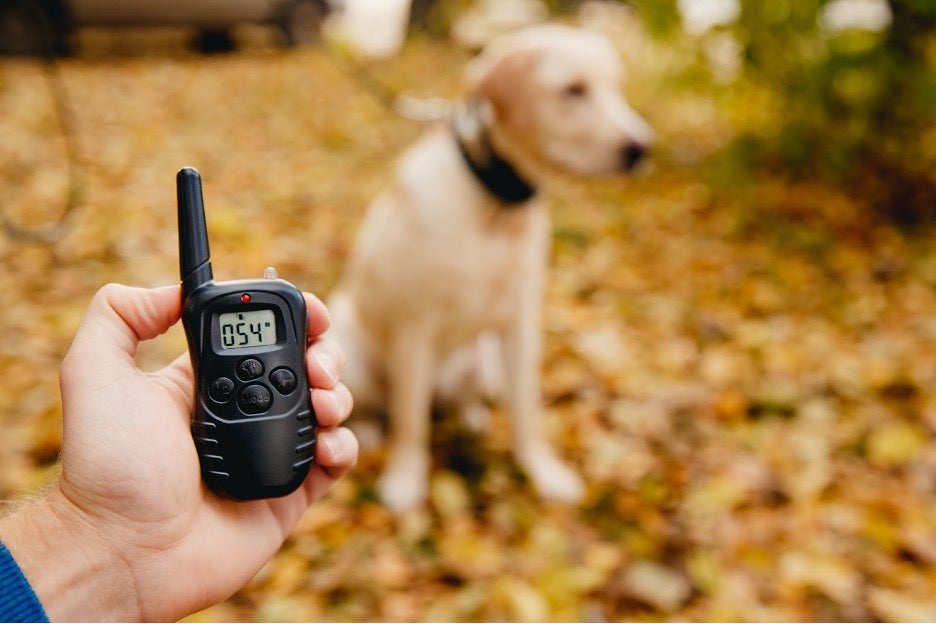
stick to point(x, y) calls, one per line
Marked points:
point(744, 376)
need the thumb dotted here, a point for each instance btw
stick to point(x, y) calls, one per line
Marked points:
point(118, 318)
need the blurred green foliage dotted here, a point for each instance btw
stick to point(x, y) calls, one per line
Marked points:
point(851, 107)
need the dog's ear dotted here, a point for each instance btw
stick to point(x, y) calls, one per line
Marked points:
point(500, 77)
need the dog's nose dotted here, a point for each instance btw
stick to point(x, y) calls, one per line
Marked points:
point(631, 154)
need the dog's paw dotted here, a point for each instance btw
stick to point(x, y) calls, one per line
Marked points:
point(403, 484)
point(552, 478)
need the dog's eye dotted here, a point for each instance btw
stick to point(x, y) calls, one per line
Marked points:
point(575, 90)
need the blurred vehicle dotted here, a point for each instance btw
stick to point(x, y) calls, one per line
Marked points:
point(45, 26)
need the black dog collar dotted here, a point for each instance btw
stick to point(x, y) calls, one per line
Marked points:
point(496, 174)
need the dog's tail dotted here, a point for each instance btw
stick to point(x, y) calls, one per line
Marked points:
point(424, 110)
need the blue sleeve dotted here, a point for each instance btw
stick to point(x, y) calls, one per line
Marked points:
point(18, 602)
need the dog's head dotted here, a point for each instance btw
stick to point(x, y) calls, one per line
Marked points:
point(554, 96)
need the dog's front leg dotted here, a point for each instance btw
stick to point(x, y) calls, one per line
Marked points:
point(522, 339)
point(409, 366)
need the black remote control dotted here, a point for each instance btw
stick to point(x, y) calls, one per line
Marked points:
point(253, 424)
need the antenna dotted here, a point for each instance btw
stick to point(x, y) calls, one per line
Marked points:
point(194, 256)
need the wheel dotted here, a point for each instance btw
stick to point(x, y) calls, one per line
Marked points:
point(213, 41)
point(34, 28)
point(303, 22)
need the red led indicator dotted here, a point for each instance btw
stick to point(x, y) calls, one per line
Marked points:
point(245, 298)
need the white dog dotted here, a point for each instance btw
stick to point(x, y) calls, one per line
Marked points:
point(456, 248)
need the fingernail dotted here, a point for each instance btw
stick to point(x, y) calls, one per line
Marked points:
point(329, 364)
point(346, 401)
point(333, 443)
point(333, 399)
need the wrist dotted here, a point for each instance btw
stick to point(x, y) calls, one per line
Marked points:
point(76, 575)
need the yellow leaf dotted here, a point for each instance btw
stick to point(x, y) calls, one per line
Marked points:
point(895, 443)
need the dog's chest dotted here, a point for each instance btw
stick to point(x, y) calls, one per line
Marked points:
point(478, 271)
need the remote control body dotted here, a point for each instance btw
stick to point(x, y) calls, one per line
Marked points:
point(253, 423)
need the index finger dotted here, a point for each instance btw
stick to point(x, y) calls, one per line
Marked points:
point(319, 319)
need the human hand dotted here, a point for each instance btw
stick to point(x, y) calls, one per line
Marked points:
point(129, 532)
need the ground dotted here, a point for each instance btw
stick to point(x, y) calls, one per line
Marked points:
point(743, 374)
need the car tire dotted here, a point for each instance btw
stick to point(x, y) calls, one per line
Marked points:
point(214, 41)
point(34, 28)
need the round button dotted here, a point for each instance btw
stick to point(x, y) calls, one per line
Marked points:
point(250, 368)
point(284, 380)
point(255, 399)
point(221, 389)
